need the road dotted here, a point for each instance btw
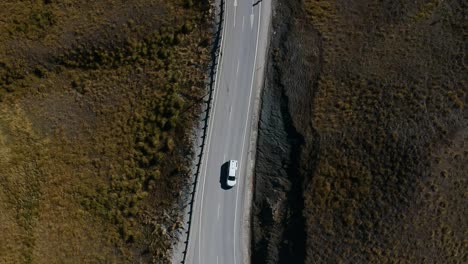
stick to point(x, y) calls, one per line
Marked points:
point(219, 229)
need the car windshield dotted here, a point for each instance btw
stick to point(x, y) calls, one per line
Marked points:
point(231, 178)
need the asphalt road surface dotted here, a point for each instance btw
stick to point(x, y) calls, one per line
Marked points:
point(220, 231)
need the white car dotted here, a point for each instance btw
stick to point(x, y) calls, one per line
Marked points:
point(231, 177)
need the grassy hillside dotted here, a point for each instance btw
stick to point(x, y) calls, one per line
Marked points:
point(377, 92)
point(96, 102)
point(389, 109)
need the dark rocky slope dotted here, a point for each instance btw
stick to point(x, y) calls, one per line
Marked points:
point(278, 231)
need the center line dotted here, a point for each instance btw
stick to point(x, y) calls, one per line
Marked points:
point(230, 114)
point(243, 20)
point(251, 20)
point(235, 10)
point(246, 122)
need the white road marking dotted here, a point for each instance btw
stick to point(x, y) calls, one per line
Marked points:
point(208, 137)
point(230, 114)
point(251, 20)
point(237, 69)
point(219, 206)
point(246, 120)
point(243, 20)
point(235, 11)
point(234, 23)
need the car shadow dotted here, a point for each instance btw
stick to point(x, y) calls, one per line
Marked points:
point(223, 176)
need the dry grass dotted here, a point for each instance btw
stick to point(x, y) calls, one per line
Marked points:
point(388, 103)
point(93, 126)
